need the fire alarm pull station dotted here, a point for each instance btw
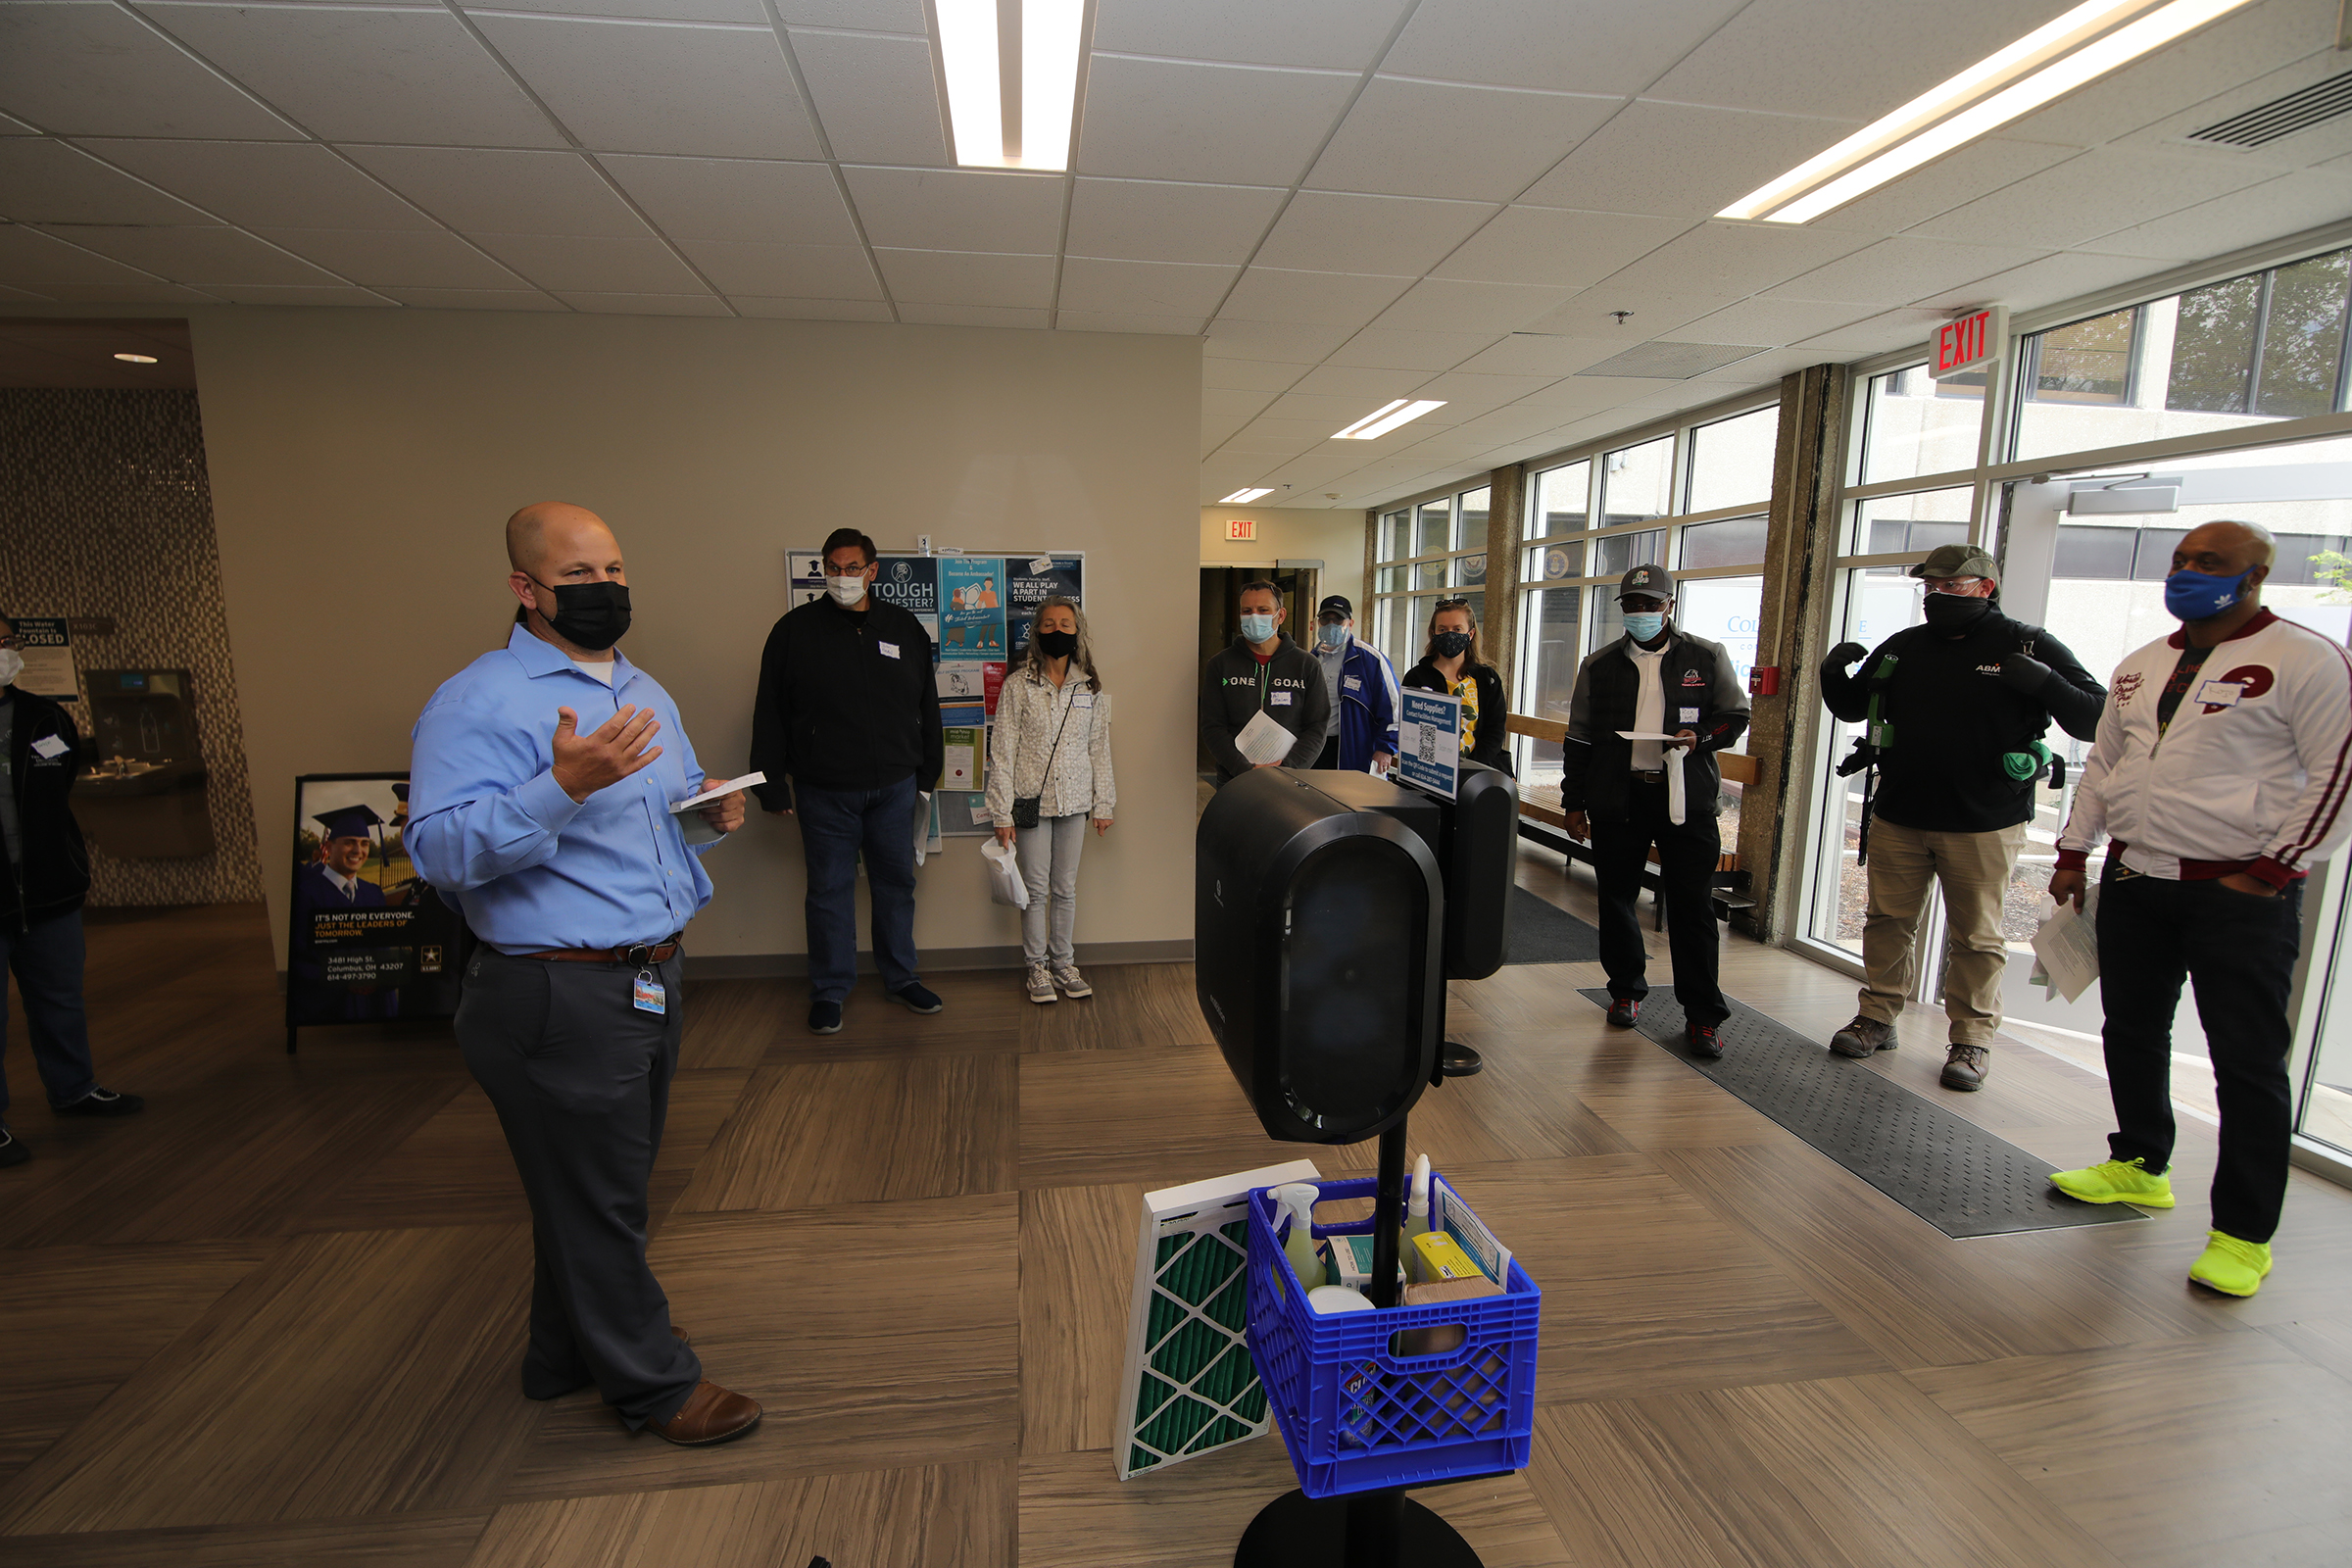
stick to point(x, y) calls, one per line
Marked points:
point(1764, 680)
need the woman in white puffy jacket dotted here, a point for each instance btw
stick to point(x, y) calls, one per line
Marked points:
point(1052, 743)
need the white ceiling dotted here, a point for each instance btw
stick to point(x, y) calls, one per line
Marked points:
point(1353, 200)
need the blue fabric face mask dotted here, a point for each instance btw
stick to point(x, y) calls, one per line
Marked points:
point(1332, 636)
point(1645, 625)
point(1256, 628)
point(2198, 595)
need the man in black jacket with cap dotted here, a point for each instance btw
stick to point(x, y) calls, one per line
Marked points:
point(40, 901)
point(1961, 704)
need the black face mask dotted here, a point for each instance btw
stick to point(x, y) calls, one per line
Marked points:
point(1058, 644)
point(1949, 614)
point(590, 614)
point(1449, 644)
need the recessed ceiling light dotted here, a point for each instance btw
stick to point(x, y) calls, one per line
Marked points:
point(981, 82)
point(136, 359)
point(1242, 497)
point(1381, 420)
point(2045, 63)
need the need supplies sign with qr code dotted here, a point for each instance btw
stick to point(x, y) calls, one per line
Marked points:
point(1429, 740)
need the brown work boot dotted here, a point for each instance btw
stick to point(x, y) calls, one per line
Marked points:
point(711, 1414)
point(1966, 1067)
point(1864, 1037)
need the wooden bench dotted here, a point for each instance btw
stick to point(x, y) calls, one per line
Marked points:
point(1541, 821)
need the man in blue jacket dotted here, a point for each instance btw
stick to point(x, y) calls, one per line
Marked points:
point(1361, 735)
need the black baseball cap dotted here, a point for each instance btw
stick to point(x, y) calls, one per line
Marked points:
point(1656, 581)
point(1336, 605)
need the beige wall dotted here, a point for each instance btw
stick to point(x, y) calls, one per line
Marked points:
point(362, 463)
point(1293, 533)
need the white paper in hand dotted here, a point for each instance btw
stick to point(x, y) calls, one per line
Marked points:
point(2067, 946)
point(1262, 741)
point(713, 790)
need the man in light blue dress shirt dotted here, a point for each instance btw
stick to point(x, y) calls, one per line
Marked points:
point(539, 803)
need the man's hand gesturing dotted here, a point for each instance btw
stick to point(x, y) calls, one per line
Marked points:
point(586, 763)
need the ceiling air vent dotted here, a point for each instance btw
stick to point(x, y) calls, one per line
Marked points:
point(2282, 116)
point(1660, 361)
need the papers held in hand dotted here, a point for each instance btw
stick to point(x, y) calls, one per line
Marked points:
point(1263, 741)
point(1677, 804)
point(697, 830)
point(2067, 946)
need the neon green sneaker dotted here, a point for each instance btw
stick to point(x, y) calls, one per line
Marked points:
point(2229, 1265)
point(2116, 1181)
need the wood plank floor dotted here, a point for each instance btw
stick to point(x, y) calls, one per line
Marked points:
point(276, 1320)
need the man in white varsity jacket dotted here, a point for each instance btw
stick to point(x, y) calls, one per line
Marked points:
point(2220, 776)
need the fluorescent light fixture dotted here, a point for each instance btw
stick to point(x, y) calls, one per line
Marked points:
point(1242, 497)
point(2046, 63)
point(1044, 92)
point(136, 359)
point(1381, 420)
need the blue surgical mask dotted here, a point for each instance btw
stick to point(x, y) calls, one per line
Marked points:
point(1644, 625)
point(1332, 636)
point(1256, 628)
point(2198, 595)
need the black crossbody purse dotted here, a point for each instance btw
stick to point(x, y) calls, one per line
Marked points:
point(1024, 806)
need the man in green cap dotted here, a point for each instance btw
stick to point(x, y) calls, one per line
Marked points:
point(1956, 710)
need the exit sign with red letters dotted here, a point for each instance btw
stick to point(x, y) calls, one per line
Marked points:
point(1969, 343)
point(1244, 528)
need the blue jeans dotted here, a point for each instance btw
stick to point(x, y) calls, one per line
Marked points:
point(835, 824)
point(47, 963)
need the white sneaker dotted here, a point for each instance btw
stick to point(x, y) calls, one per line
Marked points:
point(1041, 984)
point(1073, 984)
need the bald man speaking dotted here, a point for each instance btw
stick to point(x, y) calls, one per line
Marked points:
point(553, 833)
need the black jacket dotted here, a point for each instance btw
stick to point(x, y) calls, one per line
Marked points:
point(1490, 742)
point(847, 701)
point(1703, 695)
point(1953, 716)
point(56, 874)
point(1289, 689)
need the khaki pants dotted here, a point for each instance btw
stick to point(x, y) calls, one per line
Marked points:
point(1974, 870)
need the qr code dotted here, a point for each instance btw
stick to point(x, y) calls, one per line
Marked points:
point(1429, 744)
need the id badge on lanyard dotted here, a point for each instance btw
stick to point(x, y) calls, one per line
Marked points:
point(647, 994)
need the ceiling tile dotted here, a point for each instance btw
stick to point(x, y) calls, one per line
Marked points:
point(1555, 248)
point(1232, 338)
point(647, 304)
point(1727, 262)
point(876, 96)
point(1334, 410)
point(1342, 34)
point(1961, 175)
point(592, 264)
point(1121, 321)
point(1890, 329)
point(472, 299)
point(366, 72)
point(2240, 47)
point(810, 310)
point(1329, 299)
point(1155, 221)
point(2298, 150)
point(1678, 160)
point(406, 258)
point(748, 11)
point(1446, 305)
point(1333, 232)
point(1251, 376)
point(785, 271)
point(1623, 307)
point(2273, 209)
point(265, 183)
point(1359, 381)
point(958, 209)
point(1220, 404)
point(507, 192)
point(864, 15)
point(93, 71)
point(968, 277)
point(1219, 124)
point(973, 316)
point(1601, 46)
point(43, 181)
point(157, 293)
point(314, 296)
point(1898, 270)
point(737, 199)
point(1387, 349)
point(1143, 288)
point(1542, 353)
point(643, 87)
point(1477, 390)
point(33, 259)
point(1770, 322)
point(205, 258)
point(2048, 281)
point(2095, 193)
point(1427, 138)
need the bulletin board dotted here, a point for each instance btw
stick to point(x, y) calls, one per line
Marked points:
point(978, 609)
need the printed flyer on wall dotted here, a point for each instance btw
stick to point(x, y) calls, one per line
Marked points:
point(971, 619)
point(1030, 582)
point(370, 938)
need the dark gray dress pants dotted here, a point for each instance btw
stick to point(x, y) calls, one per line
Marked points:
point(580, 1079)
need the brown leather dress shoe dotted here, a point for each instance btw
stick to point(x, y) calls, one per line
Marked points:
point(711, 1414)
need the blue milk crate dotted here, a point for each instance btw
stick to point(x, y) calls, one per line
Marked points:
point(1356, 1416)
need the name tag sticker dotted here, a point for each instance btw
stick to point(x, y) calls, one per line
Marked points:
point(1690, 716)
point(49, 746)
point(1354, 683)
point(2220, 693)
point(1041, 565)
point(889, 650)
point(1279, 698)
point(1082, 700)
point(647, 995)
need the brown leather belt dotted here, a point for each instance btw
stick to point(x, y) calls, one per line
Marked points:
point(639, 955)
point(1654, 776)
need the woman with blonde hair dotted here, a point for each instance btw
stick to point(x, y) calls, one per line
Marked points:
point(1451, 663)
point(1048, 774)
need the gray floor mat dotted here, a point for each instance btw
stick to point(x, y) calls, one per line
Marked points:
point(1941, 1166)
